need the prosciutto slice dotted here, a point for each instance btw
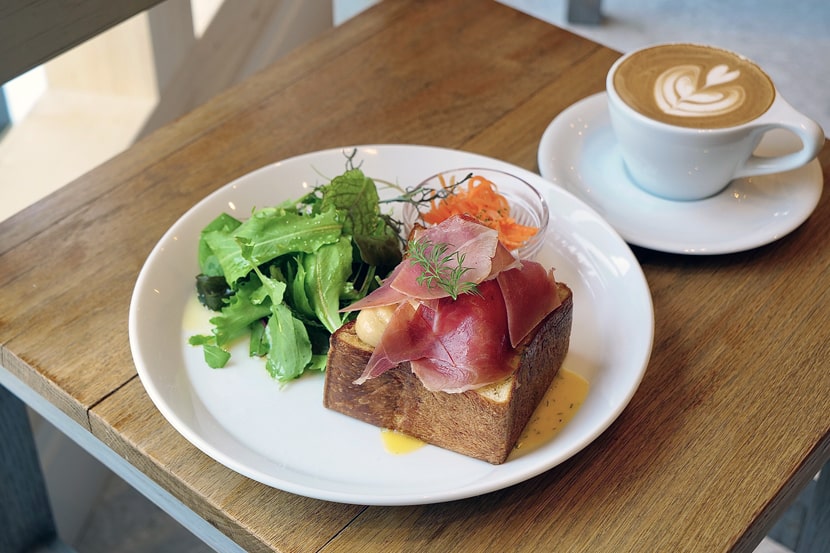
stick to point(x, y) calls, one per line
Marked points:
point(380, 297)
point(462, 344)
point(408, 336)
point(460, 235)
point(530, 293)
point(484, 256)
point(473, 329)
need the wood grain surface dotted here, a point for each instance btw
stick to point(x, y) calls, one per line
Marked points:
point(731, 419)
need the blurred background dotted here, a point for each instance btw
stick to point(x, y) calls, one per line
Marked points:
point(96, 100)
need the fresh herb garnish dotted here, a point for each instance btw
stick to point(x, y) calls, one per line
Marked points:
point(439, 268)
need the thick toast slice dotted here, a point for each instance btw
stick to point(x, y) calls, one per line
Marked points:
point(483, 423)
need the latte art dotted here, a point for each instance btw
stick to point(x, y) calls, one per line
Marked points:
point(687, 119)
point(677, 91)
point(694, 86)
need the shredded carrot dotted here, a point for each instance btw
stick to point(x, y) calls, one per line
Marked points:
point(482, 200)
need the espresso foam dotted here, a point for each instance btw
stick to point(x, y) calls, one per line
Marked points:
point(694, 86)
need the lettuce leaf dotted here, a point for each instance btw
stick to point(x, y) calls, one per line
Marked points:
point(289, 348)
point(208, 262)
point(356, 196)
point(243, 310)
point(270, 233)
point(289, 270)
point(326, 273)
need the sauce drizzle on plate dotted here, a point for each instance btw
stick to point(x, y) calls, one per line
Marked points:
point(559, 405)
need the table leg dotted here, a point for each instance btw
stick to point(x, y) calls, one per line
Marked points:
point(815, 535)
point(25, 514)
point(201, 528)
point(587, 12)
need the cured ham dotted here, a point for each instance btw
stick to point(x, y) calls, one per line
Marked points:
point(484, 258)
point(473, 329)
point(530, 294)
point(475, 242)
point(380, 297)
point(455, 345)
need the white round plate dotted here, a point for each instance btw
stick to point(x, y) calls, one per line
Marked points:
point(578, 152)
point(285, 438)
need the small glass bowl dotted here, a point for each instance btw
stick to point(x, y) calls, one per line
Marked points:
point(527, 206)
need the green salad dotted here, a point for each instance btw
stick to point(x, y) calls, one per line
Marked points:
point(282, 275)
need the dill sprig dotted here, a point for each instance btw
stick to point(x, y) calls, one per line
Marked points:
point(439, 268)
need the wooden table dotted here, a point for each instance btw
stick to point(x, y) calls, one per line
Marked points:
point(732, 417)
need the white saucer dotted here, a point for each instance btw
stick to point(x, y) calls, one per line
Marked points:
point(578, 152)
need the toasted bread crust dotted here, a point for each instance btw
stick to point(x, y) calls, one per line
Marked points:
point(471, 423)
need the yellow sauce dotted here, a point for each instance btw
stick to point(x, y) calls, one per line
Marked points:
point(196, 318)
point(398, 443)
point(560, 403)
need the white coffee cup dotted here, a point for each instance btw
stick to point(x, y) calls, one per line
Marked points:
point(688, 117)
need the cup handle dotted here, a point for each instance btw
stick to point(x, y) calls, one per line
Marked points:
point(782, 115)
